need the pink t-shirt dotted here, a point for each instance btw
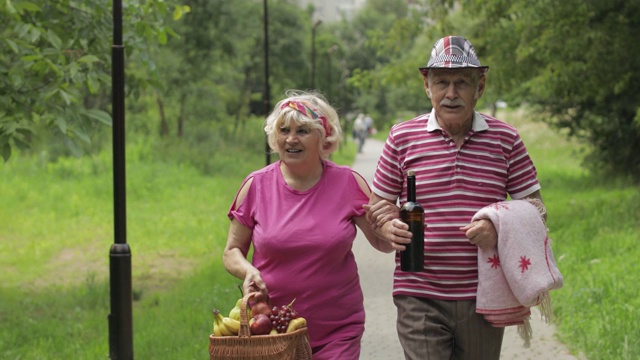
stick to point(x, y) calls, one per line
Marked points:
point(302, 246)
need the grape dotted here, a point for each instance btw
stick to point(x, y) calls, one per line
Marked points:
point(281, 316)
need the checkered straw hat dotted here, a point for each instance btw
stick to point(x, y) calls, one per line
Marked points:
point(453, 52)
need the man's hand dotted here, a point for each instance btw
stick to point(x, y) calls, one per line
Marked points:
point(397, 233)
point(481, 233)
point(384, 218)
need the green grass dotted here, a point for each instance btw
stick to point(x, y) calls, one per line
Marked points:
point(56, 227)
point(56, 223)
point(594, 225)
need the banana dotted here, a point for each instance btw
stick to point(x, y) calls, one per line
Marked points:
point(217, 331)
point(296, 324)
point(225, 330)
point(231, 324)
point(219, 328)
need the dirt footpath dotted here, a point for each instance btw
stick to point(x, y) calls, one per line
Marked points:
point(376, 273)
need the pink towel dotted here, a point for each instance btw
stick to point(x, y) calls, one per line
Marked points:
point(520, 271)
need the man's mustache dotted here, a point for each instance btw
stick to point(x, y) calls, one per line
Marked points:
point(456, 102)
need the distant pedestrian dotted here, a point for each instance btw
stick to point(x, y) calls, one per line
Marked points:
point(368, 123)
point(360, 131)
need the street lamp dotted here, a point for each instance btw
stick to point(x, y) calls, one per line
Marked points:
point(121, 315)
point(330, 52)
point(266, 98)
point(316, 23)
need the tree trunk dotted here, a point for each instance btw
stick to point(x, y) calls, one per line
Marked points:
point(183, 100)
point(164, 127)
point(243, 103)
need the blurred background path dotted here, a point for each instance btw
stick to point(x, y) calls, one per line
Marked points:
point(376, 274)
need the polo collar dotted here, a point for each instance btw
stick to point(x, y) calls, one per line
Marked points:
point(479, 123)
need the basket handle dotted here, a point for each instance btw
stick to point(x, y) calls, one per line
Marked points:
point(245, 331)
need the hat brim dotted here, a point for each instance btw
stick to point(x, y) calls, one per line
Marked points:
point(425, 70)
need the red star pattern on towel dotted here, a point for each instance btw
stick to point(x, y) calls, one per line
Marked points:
point(494, 261)
point(524, 263)
point(500, 205)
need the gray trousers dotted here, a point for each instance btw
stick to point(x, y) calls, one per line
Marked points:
point(431, 329)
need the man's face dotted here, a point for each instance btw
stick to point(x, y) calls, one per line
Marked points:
point(454, 93)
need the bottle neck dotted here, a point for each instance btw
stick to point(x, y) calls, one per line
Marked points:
point(411, 188)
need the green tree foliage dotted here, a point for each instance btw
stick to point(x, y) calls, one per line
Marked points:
point(379, 54)
point(575, 62)
point(213, 74)
point(55, 66)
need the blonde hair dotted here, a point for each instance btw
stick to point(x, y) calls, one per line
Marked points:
point(283, 116)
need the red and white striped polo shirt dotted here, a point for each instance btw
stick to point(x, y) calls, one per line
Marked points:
point(452, 185)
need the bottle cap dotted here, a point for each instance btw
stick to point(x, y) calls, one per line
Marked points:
point(411, 173)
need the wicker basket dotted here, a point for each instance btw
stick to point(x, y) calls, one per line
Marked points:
point(291, 346)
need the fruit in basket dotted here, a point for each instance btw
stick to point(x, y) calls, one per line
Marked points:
point(219, 328)
point(261, 307)
point(231, 324)
point(296, 324)
point(235, 312)
point(281, 316)
point(259, 296)
point(260, 325)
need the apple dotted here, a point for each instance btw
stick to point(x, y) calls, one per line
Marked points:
point(261, 307)
point(258, 297)
point(260, 325)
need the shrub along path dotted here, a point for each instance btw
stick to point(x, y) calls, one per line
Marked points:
point(376, 270)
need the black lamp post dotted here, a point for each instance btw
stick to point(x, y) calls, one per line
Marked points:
point(121, 315)
point(330, 52)
point(266, 98)
point(316, 23)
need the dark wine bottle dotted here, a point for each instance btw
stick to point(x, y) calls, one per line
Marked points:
point(412, 214)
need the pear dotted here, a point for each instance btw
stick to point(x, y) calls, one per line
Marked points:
point(235, 312)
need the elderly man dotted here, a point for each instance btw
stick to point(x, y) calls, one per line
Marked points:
point(463, 160)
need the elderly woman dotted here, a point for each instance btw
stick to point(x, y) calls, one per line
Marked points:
point(300, 214)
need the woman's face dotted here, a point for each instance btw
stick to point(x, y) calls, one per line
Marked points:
point(298, 143)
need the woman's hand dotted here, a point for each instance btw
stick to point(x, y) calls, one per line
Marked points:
point(253, 283)
point(381, 212)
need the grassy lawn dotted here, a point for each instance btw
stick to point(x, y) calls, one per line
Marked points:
point(594, 225)
point(56, 227)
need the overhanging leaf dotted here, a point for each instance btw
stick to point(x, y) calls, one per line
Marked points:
point(99, 115)
point(12, 45)
point(88, 59)
point(81, 135)
point(93, 83)
point(61, 123)
point(6, 151)
point(54, 39)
